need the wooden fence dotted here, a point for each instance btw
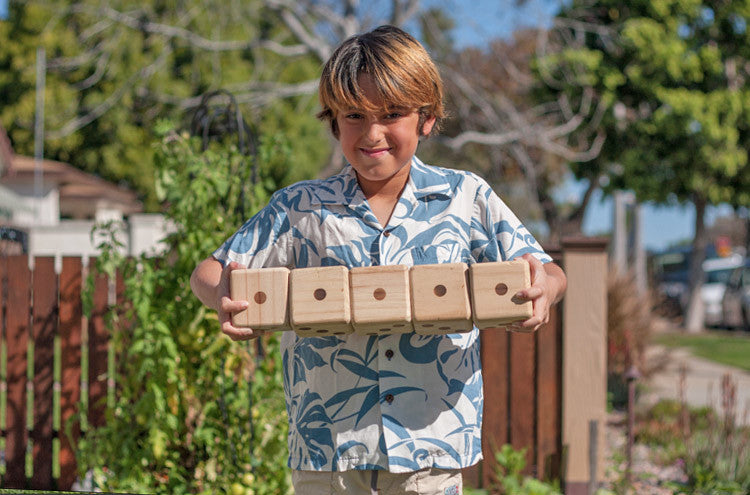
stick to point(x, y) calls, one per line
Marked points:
point(53, 360)
point(55, 377)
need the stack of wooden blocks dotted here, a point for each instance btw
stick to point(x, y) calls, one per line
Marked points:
point(381, 300)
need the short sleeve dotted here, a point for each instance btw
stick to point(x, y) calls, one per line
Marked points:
point(263, 241)
point(497, 234)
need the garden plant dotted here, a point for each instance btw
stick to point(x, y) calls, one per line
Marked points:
point(192, 411)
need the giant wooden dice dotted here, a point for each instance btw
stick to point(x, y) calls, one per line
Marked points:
point(440, 298)
point(380, 299)
point(319, 301)
point(266, 290)
point(492, 288)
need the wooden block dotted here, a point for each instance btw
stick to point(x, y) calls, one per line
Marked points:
point(267, 291)
point(492, 288)
point(319, 301)
point(440, 298)
point(381, 302)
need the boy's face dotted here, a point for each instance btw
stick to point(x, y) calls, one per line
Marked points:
point(379, 145)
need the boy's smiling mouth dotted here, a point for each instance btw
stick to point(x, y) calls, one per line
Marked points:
point(374, 152)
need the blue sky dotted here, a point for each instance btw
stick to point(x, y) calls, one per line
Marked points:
point(3, 9)
point(480, 20)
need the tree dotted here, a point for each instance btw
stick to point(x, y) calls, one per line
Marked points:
point(673, 76)
point(113, 69)
point(503, 127)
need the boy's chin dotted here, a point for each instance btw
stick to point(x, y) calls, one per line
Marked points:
point(375, 178)
point(375, 175)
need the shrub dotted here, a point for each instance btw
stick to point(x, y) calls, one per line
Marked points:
point(717, 458)
point(510, 481)
point(629, 332)
point(714, 451)
point(194, 412)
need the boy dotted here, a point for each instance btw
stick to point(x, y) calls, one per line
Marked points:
point(392, 413)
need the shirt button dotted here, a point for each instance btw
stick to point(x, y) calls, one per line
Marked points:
point(389, 398)
point(389, 353)
point(387, 233)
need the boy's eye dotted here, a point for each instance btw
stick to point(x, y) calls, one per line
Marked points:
point(353, 115)
point(394, 115)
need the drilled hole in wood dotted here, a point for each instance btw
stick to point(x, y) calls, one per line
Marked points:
point(428, 325)
point(501, 289)
point(444, 328)
point(305, 328)
point(399, 325)
point(385, 329)
point(379, 294)
point(319, 294)
point(440, 290)
point(339, 333)
point(260, 297)
point(322, 330)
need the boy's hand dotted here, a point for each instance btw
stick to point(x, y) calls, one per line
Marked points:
point(547, 285)
point(226, 306)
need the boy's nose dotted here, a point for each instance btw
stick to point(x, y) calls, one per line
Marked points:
point(374, 131)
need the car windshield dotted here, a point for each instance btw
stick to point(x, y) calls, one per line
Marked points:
point(718, 276)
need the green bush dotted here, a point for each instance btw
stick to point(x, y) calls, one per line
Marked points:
point(193, 412)
point(717, 460)
point(714, 451)
point(510, 481)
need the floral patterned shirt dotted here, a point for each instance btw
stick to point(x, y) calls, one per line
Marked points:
point(398, 402)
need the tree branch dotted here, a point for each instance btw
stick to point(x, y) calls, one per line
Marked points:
point(73, 125)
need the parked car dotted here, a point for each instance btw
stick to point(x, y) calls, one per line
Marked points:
point(670, 274)
point(736, 301)
point(717, 272)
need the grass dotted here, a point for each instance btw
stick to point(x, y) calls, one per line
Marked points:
point(727, 348)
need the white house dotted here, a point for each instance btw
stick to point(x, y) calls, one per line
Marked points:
point(57, 205)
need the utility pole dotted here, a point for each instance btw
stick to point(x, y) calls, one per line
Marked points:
point(628, 253)
point(620, 234)
point(41, 76)
point(639, 255)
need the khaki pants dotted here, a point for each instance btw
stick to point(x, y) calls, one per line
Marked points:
point(424, 482)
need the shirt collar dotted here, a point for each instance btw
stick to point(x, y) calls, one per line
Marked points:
point(340, 189)
point(429, 181)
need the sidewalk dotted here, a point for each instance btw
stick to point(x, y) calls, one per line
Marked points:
point(702, 382)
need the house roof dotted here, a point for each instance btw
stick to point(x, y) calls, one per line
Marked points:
point(73, 184)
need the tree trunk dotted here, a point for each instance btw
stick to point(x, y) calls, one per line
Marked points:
point(694, 315)
point(560, 225)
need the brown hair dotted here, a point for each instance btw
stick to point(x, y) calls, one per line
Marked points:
point(402, 71)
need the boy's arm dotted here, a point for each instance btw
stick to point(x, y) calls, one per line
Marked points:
point(210, 284)
point(548, 284)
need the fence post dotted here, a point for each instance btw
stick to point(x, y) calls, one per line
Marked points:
point(17, 319)
point(71, 314)
point(45, 290)
point(584, 356)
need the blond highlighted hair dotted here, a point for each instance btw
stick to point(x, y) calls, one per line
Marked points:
point(403, 73)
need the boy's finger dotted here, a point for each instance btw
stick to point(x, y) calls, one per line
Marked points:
point(230, 306)
point(236, 334)
point(233, 265)
point(527, 294)
point(532, 260)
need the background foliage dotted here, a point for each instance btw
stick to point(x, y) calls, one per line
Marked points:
point(115, 68)
point(194, 412)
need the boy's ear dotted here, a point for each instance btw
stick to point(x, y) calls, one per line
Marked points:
point(427, 126)
point(335, 128)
